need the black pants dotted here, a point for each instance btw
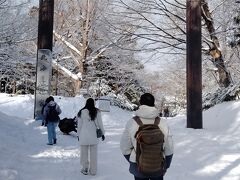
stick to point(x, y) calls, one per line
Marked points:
point(155, 178)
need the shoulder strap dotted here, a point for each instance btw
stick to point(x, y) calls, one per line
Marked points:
point(138, 120)
point(157, 121)
point(95, 124)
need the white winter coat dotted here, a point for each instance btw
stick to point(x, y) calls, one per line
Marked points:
point(87, 129)
point(147, 115)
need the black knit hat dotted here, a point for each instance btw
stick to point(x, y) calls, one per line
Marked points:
point(50, 98)
point(147, 99)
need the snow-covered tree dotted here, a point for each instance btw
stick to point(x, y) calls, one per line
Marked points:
point(160, 27)
point(99, 46)
point(235, 40)
point(85, 46)
point(15, 31)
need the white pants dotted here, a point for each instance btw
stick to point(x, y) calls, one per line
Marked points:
point(89, 154)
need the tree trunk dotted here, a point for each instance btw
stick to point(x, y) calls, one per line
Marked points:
point(77, 86)
point(85, 28)
point(88, 10)
point(215, 51)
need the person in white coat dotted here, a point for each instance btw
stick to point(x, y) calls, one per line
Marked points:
point(89, 119)
point(147, 113)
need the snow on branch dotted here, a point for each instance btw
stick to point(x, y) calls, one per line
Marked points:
point(224, 94)
point(93, 58)
point(66, 71)
point(101, 50)
point(68, 44)
point(65, 57)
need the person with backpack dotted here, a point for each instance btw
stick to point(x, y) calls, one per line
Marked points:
point(166, 112)
point(46, 102)
point(51, 118)
point(89, 124)
point(146, 142)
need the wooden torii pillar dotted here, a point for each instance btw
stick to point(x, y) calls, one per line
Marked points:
point(44, 55)
point(194, 65)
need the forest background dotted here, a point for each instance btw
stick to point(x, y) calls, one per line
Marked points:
point(122, 48)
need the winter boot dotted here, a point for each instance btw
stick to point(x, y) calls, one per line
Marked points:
point(84, 171)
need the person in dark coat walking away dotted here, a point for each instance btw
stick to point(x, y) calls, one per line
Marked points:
point(43, 120)
point(148, 114)
point(166, 112)
point(89, 119)
point(51, 118)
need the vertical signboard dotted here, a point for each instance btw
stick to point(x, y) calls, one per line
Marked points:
point(44, 72)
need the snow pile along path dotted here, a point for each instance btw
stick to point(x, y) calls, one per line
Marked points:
point(212, 153)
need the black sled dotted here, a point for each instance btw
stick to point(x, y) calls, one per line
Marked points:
point(68, 125)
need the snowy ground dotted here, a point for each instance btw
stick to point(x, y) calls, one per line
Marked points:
point(212, 153)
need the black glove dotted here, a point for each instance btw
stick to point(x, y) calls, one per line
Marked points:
point(103, 137)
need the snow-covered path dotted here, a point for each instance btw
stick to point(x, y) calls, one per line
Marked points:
point(212, 153)
point(25, 155)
